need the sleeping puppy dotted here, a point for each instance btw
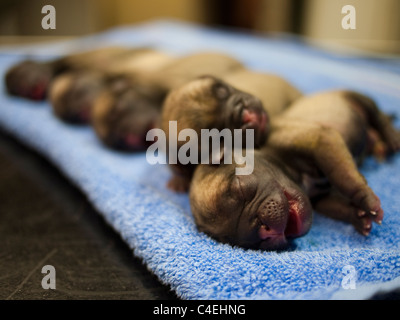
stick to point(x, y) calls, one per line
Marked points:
point(31, 79)
point(130, 105)
point(122, 114)
point(308, 163)
point(240, 100)
point(72, 94)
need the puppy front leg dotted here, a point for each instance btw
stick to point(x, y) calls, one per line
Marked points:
point(179, 183)
point(327, 150)
point(181, 178)
point(335, 206)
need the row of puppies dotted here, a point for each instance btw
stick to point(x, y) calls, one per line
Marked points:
point(306, 146)
point(119, 91)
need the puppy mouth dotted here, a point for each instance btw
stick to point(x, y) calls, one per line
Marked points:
point(38, 91)
point(130, 142)
point(299, 215)
point(298, 223)
point(257, 119)
point(84, 115)
point(281, 221)
point(134, 141)
point(35, 91)
point(78, 117)
point(274, 244)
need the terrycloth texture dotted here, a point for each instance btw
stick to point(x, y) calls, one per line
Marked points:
point(157, 224)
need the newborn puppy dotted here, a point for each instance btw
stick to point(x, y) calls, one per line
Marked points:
point(122, 115)
point(31, 79)
point(259, 211)
point(242, 100)
point(307, 163)
point(140, 96)
point(72, 95)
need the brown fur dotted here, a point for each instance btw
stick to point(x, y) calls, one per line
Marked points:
point(196, 106)
point(309, 159)
point(73, 93)
point(147, 90)
point(31, 79)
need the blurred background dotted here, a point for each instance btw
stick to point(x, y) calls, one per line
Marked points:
point(377, 21)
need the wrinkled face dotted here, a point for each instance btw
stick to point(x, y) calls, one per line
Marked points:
point(122, 116)
point(72, 96)
point(263, 210)
point(208, 102)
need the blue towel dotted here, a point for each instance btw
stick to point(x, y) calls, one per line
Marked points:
point(331, 262)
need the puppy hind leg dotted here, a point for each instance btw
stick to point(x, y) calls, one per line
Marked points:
point(329, 152)
point(389, 137)
point(181, 177)
point(375, 145)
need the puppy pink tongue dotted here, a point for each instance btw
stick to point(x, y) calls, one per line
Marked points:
point(254, 119)
point(249, 116)
point(84, 115)
point(133, 141)
point(38, 91)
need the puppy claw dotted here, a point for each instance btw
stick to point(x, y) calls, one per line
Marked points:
point(363, 225)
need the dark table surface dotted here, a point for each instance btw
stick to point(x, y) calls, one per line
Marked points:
point(45, 220)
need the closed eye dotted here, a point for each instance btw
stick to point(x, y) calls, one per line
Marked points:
point(221, 91)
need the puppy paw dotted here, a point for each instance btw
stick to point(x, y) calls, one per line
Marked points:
point(363, 222)
point(369, 205)
point(29, 79)
point(393, 141)
point(390, 138)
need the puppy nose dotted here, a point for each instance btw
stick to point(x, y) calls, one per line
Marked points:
point(273, 217)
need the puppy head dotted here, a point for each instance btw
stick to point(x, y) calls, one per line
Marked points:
point(208, 102)
point(123, 114)
point(263, 210)
point(29, 79)
point(72, 96)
